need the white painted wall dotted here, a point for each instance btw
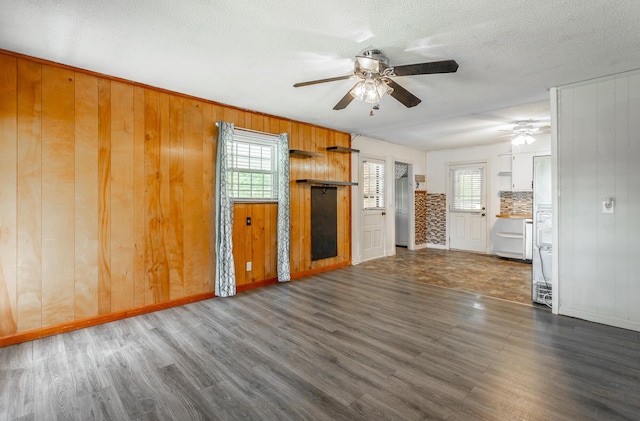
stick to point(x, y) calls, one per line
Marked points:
point(437, 169)
point(437, 173)
point(598, 155)
point(390, 153)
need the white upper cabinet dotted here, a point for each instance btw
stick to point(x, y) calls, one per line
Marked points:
point(522, 171)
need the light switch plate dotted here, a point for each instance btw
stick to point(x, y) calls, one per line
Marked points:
point(248, 266)
point(608, 209)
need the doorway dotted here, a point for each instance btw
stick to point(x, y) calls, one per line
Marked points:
point(402, 204)
point(466, 207)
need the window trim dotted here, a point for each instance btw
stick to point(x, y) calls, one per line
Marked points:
point(243, 136)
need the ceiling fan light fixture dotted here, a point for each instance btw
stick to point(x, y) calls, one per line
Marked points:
point(523, 138)
point(371, 89)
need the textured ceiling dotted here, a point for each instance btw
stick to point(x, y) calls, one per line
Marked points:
point(250, 53)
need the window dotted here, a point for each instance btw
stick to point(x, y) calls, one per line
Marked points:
point(467, 188)
point(373, 184)
point(253, 166)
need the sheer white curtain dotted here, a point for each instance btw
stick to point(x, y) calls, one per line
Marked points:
point(225, 281)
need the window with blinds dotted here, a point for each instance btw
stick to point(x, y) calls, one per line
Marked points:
point(373, 184)
point(467, 189)
point(253, 167)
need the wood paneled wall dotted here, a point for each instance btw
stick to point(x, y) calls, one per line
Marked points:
point(106, 196)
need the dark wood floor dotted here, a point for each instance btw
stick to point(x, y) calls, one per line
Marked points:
point(349, 344)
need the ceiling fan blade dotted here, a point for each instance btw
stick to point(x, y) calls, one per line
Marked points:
point(405, 97)
point(346, 100)
point(445, 66)
point(314, 82)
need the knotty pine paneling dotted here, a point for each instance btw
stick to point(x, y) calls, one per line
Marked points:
point(29, 195)
point(209, 149)
point(104, 196)
point(122, 200)
point(176, 240)
point(156, 263)
point(86, 196)
point(107, 195)
point(58, 195)
point(194, 235)
point(139, 186)
point(8, 180)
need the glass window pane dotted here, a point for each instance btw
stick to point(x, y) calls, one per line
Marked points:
point(373, 184)
point(253, 167)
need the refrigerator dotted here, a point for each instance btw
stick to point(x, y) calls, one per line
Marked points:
point(542, 247)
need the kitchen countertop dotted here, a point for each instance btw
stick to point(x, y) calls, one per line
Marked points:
point(515, 215)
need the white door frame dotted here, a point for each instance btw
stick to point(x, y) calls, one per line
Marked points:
point(448, 166)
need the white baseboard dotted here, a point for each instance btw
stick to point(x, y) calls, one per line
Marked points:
point(420, 246)
point(598, 318)
point(436, 246)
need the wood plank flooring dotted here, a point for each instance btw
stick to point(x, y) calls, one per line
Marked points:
point(349, 344)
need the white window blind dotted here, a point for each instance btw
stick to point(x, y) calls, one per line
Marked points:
point(253, 166)
point(467, 189)
point(373, 184)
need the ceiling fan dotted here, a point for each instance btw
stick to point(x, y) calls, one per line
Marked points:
point(523, 131)
point(372, 67)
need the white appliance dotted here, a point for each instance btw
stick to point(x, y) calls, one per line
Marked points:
point(402, 211)
point(542, 231)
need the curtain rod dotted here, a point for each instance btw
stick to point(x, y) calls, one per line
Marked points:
point(252, 131)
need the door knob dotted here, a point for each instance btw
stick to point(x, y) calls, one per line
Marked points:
point(483, 213)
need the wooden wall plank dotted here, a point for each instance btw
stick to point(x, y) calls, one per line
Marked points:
point(29, 279)
point(257, 241)
point(58, 195)
point(176, 251)
point(269, 243)
point(239, 239)
point(122, 199)
point(104, 196)
point(86, 196)
point(139, 273)
point(208, 181)
point(8, 194)
point(304, 216)
point(156, 262)
point(231, 115)
point(165, 194)
point(193, 194)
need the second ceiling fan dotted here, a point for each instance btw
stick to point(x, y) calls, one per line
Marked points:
point(372, 67)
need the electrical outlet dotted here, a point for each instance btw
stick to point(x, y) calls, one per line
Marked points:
point(248, 266)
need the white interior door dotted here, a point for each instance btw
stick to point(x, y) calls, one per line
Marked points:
point(372, 176)
point(467, 207)
point(372, 234)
